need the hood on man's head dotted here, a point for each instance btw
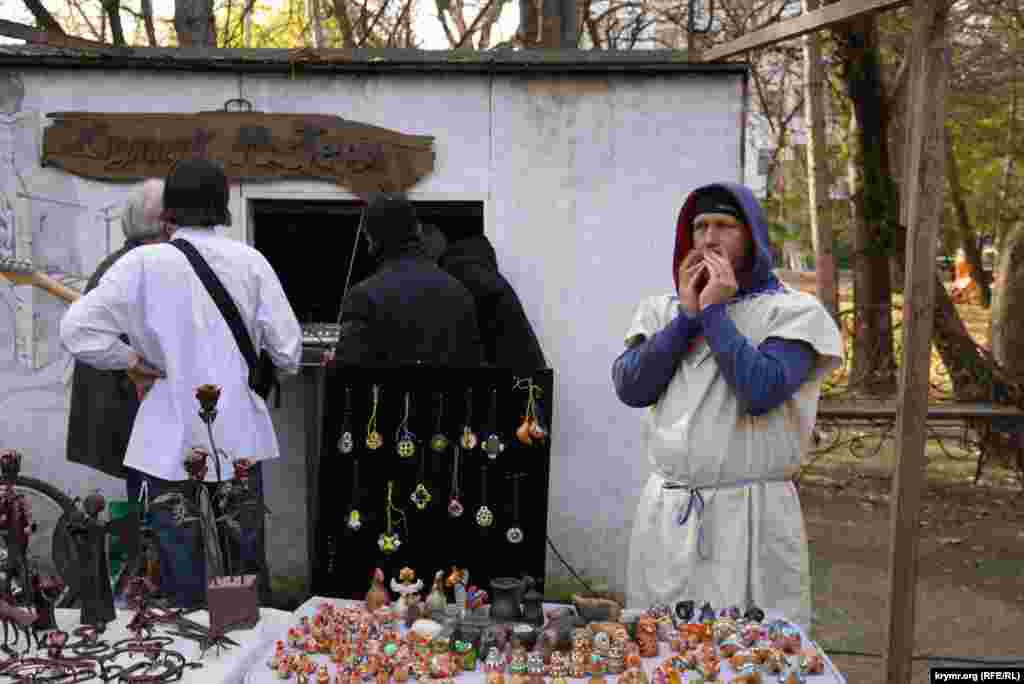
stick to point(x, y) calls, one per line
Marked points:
point(737, 201)
point(390, 219)
point(434, 241)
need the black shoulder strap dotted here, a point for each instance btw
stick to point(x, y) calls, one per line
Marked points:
point(222, 299)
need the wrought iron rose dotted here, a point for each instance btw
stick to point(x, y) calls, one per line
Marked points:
point(208, 395)
point(242, 468)
point(196, 464)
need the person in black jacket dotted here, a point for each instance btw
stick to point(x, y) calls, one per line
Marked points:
point(104, 403)
point(508, 338)
point(409, 311)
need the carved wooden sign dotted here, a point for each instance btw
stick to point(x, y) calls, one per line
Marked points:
point(249, 145)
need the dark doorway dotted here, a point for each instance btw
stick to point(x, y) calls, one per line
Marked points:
point(309, 244)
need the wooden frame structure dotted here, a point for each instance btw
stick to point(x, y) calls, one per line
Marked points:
point(923, 190)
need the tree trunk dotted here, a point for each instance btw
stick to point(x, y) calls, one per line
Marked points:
point(113, 10)
point(817, 171)
point(147, 18)
point(968, 370)
point(194, 24)
point(875, 213)
point(1008, 306)
point(968, 238)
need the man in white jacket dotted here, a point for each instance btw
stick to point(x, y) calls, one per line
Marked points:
point(178, 340)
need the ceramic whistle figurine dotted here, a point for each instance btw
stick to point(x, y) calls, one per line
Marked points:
point(378, 594)
point(407, 587)
point(494, 662)
point(437, 600)
point(457, 580)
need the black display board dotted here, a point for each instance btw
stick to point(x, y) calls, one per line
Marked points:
point(432, 540)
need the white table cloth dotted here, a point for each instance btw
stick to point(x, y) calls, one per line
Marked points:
point(261, 674)
point(226, 667)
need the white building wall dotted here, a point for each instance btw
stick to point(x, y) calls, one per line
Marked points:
point(582, 180)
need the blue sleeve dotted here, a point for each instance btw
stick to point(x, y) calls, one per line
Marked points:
point(644, 370)
point(763, 378)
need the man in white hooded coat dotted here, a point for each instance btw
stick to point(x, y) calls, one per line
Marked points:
point(731, 366)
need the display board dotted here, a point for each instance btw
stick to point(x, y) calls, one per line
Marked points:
point(512, 484)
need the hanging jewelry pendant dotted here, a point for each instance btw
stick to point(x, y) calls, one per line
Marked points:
point(493, 446)
point(438, 443)
point(514, 535)
point(406, 447)
point(484, 517)
point(455, 508)
point(374, 440)
point(355, 521)
point(346, 444)
point(420, 496)
point(389, 543)
point(523, 433)
point(469, 440)
point(404, 438)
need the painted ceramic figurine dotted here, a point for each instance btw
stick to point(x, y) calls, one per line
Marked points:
point(457, 580)
point(437, 600)
point(494, 662)
point(378, 594)
point(407, 586)
point(647, 636)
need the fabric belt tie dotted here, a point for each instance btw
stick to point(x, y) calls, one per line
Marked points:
point(695, 502)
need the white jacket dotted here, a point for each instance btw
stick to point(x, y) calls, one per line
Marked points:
point(153, 296)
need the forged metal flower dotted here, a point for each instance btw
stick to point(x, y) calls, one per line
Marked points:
point(208, 395)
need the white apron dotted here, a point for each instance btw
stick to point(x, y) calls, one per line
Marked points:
point(719, 519)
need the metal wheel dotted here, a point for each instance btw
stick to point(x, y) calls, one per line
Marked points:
point(49, 507)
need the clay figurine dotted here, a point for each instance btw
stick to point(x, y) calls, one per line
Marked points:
point(457, 580)
point(754, 614)
point(406, 588)
point(647, 636)
point(437, 600)
point(684, 611)
point(378, 594)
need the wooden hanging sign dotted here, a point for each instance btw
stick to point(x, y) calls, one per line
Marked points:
point(249, 145)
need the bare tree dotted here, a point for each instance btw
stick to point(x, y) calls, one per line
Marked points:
point(460, 30)
point(194, 23)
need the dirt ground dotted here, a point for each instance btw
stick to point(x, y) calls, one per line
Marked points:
point(970, 600)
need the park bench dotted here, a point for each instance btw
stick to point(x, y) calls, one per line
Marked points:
point(981, 418)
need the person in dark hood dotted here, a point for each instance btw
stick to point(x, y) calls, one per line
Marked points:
point(508, 338)
point(732, 365)
point(409, 310)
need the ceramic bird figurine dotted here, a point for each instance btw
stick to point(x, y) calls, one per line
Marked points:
point(378, 595)
point(437, 600)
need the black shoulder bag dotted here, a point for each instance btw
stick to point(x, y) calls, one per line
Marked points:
point(262, 376)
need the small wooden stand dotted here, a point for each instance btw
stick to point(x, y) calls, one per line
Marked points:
point(233, 603)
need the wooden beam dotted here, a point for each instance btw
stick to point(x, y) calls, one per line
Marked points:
point(925, 193)
point(817, 20)
point(30, 34)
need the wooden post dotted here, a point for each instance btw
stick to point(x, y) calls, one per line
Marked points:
point(926, 185)
point(817, 169)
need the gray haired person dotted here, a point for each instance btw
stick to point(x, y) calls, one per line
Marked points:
point(104, 403)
